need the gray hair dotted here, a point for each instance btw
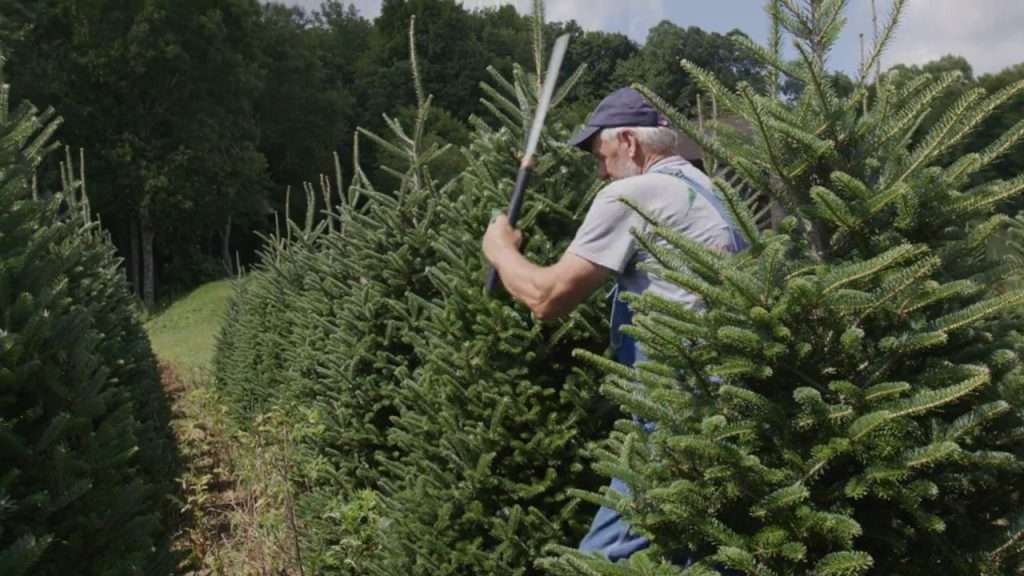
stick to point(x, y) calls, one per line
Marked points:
point(657, 139)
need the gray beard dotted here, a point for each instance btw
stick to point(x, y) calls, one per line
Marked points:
point(630, 170)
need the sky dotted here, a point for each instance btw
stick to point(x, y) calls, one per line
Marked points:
point(989, 33)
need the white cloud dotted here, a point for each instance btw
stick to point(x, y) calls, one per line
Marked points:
point(633, 18)
point(367, 8)
point(989, 33)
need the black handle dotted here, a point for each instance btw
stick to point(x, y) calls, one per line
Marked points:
point(514, 207)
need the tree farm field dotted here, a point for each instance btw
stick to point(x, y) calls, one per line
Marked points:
point(256, 339)
point(185, 333)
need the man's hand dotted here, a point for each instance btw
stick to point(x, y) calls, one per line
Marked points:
point(549, 291)
point(500, 238)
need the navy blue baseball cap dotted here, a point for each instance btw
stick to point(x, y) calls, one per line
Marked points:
point(624, 107)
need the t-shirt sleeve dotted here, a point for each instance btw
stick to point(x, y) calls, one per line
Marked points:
point(605, 236)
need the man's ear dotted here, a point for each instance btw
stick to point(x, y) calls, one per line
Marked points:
point(628, 137)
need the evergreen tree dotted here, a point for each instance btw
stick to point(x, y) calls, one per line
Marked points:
point(84, 433)
point(249, 361)
point(492, 425)
point(321, 331)
point(360, 320)
point(849, 402)
point(353, 347)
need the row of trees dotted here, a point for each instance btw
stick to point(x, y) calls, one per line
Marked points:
point(197, 116)
point(850, 401)
point(88, 458)
point(466, 469)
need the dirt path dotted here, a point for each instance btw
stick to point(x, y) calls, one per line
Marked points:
point(229, 509)
point(206, 488)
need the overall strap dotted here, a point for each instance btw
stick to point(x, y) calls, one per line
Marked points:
point(709, 195)
point(627, 351)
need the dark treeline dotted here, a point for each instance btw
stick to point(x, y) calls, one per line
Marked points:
point(198, 115)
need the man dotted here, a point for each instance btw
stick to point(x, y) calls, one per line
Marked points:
point(636, 150)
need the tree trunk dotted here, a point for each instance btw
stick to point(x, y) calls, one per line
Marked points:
point(225, 248)
point(148, 265)
point(133, 257)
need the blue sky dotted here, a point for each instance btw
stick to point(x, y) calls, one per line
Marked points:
point(989, 33)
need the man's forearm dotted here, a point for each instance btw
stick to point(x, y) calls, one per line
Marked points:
point(523, 279)
point(549, 291)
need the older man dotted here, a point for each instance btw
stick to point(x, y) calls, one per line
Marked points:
point(637, 152)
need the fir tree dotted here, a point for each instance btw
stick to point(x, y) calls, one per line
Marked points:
point(403, 385)
point(850, 401)
point(353, 349)
point(493, 424)
point(250, 363)
point(317, 333)
point(321, 332)
point(84, 433)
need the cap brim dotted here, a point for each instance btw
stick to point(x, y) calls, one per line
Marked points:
point(583, 137)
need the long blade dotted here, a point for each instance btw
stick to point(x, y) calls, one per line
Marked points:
point(547, 89)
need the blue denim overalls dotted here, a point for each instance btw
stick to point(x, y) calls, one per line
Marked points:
point(609, 535)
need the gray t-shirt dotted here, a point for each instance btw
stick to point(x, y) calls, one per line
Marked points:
point(683, 201)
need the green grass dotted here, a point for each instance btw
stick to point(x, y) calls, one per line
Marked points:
point(185, 333)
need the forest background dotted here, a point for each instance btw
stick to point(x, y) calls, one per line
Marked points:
point(198, 116)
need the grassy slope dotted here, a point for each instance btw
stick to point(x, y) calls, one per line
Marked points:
point(226, 503)
point(185, 333)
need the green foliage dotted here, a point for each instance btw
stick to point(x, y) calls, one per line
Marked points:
point(849, 402)
point(656, 63)
point(492, 426)
point(372, 331)
point(311, 100)
point(185, 333)
point(1006, 121)
point(599, 55)
point(249, 355)
point(88, 461)
point(319, 331)
point(163, 95)
point(196, 110)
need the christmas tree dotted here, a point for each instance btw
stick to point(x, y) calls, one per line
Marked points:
point(84, 435)
point(850, 401)
point(370, 336)
point(250, 362)
point(493, 423)
point(317, 336)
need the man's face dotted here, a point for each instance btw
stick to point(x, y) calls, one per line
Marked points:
point(615, 156)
